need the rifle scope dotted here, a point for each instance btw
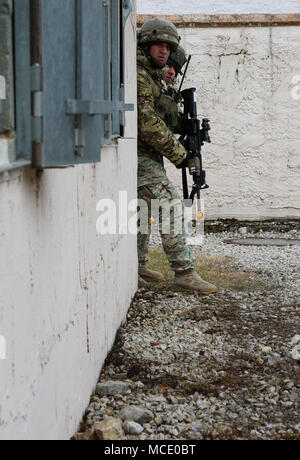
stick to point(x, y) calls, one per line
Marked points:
point(190, 102)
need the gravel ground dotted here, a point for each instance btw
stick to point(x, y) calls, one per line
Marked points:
point(224, 366)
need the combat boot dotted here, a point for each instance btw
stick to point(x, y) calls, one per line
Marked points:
point(151, 275)
point(193, 282)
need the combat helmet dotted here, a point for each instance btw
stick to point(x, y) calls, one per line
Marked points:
point(177, 59)
point(158, 30)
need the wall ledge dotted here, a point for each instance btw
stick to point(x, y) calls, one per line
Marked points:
point(226, 20)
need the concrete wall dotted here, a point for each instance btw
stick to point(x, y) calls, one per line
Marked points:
point(64, 290)
point(217, 6)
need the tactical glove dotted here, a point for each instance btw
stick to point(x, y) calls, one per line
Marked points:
point(184, 163)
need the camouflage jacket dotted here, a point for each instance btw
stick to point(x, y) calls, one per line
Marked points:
point(174, 117)
point(155, 139)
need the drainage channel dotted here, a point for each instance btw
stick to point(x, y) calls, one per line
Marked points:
point(263, 241)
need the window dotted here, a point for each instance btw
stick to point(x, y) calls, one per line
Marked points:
point(8, 157)
point(69, 79)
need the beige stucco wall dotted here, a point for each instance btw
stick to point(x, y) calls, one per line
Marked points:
point(217, 7)
point(248, 84)
point(244, 80)
point(64, 290)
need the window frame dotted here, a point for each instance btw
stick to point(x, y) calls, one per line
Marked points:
point(8, 104)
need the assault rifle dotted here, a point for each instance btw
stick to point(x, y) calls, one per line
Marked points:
point(193, 136)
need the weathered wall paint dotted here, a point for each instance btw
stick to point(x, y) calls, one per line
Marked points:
point(245, 87)
point(248, 86)
point(217, 7)
point(64, 290)
point(4, 158)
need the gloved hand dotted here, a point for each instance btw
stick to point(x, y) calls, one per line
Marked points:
point(185, 163)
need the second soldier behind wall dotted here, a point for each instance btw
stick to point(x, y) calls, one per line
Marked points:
point(157, 39)
point(175, 63)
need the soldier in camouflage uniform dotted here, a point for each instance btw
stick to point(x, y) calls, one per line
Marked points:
point(175, 63)
point(157, 38)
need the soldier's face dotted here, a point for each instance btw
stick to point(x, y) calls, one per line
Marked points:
point(170, 74)
point(160, 52)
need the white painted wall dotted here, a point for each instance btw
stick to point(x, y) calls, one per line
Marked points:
point(64, 290)
point(246, 78)
point(217, 6)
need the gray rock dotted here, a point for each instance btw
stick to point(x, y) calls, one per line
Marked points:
point(137, 414)
point(112, 388)
point(273, 359)
point(296, 353)
point(297, 402)
point(196, 427)
point(132, 428)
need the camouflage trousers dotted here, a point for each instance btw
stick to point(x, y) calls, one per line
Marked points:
point(170, 226)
